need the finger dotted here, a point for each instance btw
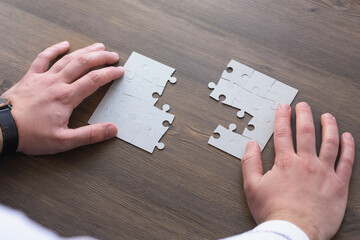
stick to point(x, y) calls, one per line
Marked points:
point(84, 63)
point(282, 132)
point(305, 130)
point(347, 157)
point(251, 165)
point(330, 139)
point(89, 83)
point(59, 65)
point(90, 134)
point(43, 60)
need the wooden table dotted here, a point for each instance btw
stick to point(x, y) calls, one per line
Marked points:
point(190, 190)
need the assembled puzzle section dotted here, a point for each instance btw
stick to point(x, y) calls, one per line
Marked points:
point(252, 92)
point(129, 103)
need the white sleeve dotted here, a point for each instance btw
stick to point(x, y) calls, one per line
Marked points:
point(273, 230)
point(15, 225)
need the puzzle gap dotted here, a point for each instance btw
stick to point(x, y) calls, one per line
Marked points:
point(226, 114)
point(222, 98)
point(166, 124)
point(243, 123)
point(216, 135)
point(155, 95)
point(256, 97)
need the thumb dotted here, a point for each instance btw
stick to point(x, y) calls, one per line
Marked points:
point(91, 134)
point(251, 164)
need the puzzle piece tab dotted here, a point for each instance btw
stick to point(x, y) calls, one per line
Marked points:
point(130, 106)
point(229, 141)
point(252, 92)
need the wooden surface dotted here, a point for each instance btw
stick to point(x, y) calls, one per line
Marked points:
point(190, 190)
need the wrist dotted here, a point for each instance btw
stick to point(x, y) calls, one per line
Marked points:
point(9, 133)
point(301, 222)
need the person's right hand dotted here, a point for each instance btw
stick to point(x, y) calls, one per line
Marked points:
point(302, 188)
point(43, 100)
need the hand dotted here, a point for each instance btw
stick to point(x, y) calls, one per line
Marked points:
point(43, 99)
point(301, 188)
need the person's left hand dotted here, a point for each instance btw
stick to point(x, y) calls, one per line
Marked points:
point(43, 100)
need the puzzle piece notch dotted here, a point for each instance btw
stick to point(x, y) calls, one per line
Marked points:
point(242, 77)
point(154, 128)
point(129, 103)
point(236, 71)
point(224, 88)
point(254, 93)
point(229, 141)
point(137, 87)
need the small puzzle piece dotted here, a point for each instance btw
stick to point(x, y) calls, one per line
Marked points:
point(150, 70)
point(252, 92)
point(150, 130)
point(226, 86)
point(236, 71)
point(261, 132)
point(143, 77)
point(229, 141)
point(137, 88)
point(259, 84)
point(129, 103)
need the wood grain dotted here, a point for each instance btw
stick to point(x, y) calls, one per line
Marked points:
point(189, 190)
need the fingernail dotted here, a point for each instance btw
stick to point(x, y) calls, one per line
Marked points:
point(64, 43)
point(111, 131)
point(115, 54)
point(329, 115)
point(121, 68)
point(348, 135)
point(303, 104)
point(285, 106)
point(99, 46)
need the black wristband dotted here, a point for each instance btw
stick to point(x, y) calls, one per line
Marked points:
point(9, 132)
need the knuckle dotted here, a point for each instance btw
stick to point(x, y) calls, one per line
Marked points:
point(281, 132)
point(284, 162)
point(52, 80)
point(308, 165)
point(82, 60)
point(332, 141)
point(348, 161)
point(63, 94)
point(44, 54)
point(95, 76)
point(95, 134)
point(307, 128)
point(67, 58)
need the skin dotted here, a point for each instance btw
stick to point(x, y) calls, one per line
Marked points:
point(44, 99)
point(302, 188)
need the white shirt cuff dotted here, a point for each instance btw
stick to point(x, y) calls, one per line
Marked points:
point(273, 230)
point(285, 228)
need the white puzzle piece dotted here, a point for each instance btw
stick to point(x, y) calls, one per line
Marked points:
point(129, 103)
point(229, 141)
point(254, 93)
